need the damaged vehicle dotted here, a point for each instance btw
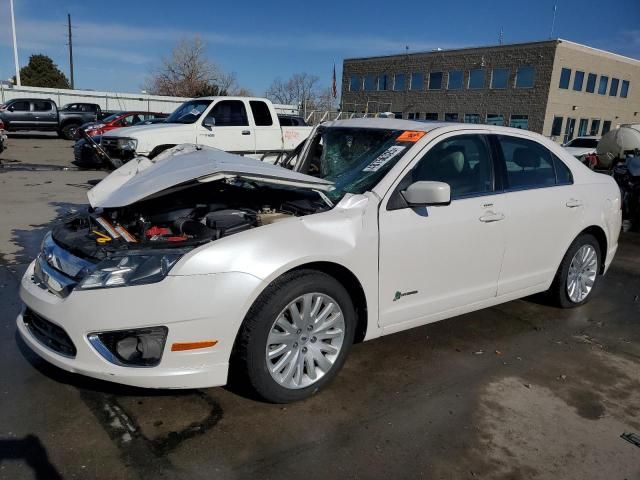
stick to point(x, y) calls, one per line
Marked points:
point(201, 267)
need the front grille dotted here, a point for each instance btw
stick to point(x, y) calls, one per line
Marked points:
point(49, 334)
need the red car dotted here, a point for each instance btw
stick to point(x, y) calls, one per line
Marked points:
point(121, 120)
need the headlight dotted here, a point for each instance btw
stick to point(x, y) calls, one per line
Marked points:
point(128, 143)
point(132, 269)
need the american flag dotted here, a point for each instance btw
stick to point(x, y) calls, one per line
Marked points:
point(334, 87)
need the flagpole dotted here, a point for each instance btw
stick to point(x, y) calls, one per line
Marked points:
point(553, 22)
point(15, 45)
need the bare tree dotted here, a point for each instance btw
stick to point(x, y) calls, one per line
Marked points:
point(188, 73)
point(301, 89)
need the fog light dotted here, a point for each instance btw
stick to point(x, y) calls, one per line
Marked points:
point(141, 347)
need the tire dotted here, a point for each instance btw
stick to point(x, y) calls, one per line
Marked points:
point(561, 292)
point(68, 131)
point(251, 361)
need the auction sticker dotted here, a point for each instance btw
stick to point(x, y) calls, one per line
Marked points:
point(410, 136)
point(383, 158)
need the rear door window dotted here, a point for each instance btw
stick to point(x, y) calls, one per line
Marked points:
point(528, 164)
point(261, 113)
point(42, 106)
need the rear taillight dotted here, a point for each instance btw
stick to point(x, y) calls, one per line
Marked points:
point(1, 125)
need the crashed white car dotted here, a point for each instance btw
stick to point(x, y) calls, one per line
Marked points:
point(581, 146)
point(202, 265)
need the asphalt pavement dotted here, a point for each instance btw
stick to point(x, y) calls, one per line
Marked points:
point(519, 391)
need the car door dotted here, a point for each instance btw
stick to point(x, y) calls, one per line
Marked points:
point(20, 115)
point(268, 136)
point(227, 127)
point(438, 259)
point(45, 115)
point(543, 210)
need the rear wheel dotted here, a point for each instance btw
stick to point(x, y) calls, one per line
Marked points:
point(578, 273)
point(296, 336)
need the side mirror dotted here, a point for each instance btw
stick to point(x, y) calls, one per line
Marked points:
point(423, 194)
point(10, 108)
point(209, 122)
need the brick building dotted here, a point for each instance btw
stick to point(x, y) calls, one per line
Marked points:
point(558, 88)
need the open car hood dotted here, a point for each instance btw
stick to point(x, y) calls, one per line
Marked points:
point(185, 165)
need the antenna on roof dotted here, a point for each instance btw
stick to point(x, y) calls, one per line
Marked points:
point(501, 37)
point(553, 21)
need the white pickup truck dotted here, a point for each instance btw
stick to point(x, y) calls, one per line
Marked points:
point(242, 125)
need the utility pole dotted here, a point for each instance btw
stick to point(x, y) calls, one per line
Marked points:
point(501, 38)
point(15, 45)
point(70, 50)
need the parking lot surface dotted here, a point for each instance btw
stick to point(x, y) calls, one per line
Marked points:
point(519, 391)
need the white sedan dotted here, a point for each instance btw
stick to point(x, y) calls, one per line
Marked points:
point(202, 267)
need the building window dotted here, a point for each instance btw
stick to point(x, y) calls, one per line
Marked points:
point(525, 77)
point(355, 82)
point(397, 115)
point(455, 80)
point(519, 121)
point(370, 82)
point(450, 117)
point(578, 80)
point(591, 83)
point(624, 90)
point(383, 83)
point(556, 127)
point(435, 80)
point(499, 77)
point(595, 127)
point(565, 76)
point(606, 126)
point(602, 86)
point(476, 78)
point(613, 91)
point(399, 81)
point(495, 119)
point(471, 118)
point(582, 127)
point(417, 81)
point(413, 116)
point(431, 116)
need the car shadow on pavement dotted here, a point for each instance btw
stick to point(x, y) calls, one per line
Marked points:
point(30, 450)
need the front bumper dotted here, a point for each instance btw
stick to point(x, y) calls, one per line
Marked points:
point(193, 308)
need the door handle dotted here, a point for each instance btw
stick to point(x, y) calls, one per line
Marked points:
point(573, 203)
point(491, 217)
point(246, 132)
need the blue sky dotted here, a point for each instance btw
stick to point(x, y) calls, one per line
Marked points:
point(117, 43)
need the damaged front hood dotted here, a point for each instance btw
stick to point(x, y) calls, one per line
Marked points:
point(184, 165)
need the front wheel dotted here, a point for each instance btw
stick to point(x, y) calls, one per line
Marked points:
point(296, 336)
point(578, 273)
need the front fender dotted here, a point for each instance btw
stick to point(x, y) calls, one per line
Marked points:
point(344, 236)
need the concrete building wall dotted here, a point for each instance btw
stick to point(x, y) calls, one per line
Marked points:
point(541, 103)
point(569, 103)
point(507, 102)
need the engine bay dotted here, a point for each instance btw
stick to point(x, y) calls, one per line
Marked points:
point(184, 218)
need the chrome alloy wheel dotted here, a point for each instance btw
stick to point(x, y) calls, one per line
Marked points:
point(305, 340)
point(582, 273)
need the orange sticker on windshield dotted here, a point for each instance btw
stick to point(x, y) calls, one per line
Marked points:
point(410, 136)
